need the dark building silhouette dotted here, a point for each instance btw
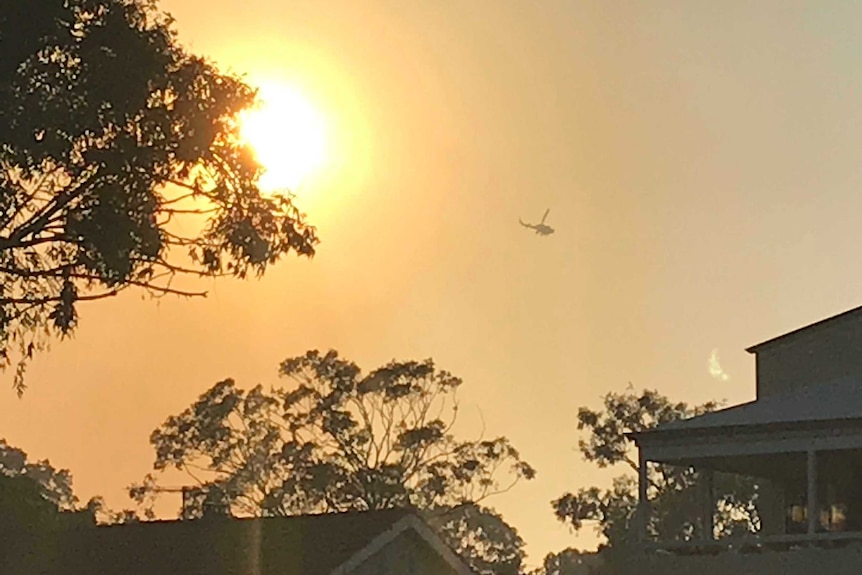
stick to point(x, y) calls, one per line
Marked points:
point(362, 543)
point(801, 439)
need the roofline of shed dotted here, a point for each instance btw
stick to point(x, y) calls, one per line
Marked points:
point(768, 342)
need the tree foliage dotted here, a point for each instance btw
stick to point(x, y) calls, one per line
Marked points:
point(571, 561)
point(37, 510)
point(674, 503)
point(24, 507)
point(340, 440)
point(35, 496)
point(120, 166)
point(52, 485)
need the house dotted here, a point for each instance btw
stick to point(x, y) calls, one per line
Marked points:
point(391, 542)
point(801, 438)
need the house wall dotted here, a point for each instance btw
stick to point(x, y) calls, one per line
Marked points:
point(814, 356)
point(407, 554)
point(795, 562)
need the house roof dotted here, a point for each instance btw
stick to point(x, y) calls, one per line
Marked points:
point(831, 321)
point(836, 401)
point(301, 545)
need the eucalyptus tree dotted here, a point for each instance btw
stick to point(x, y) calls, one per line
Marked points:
point(121, 167)
point(340, 440)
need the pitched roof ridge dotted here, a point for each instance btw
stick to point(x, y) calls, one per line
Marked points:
point(817, 324)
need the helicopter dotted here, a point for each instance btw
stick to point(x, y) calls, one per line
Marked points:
point(541, 228)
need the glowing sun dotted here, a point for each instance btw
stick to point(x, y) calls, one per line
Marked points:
point(288, 136)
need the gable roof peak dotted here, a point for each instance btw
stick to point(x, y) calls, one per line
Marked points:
point(855, 313)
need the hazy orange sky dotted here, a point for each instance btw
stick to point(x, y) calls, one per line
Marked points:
point(701, 161)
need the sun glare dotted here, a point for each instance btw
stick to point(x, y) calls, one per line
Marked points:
point(288, 136)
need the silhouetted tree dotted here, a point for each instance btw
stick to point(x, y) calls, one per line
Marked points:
point(120, 166)
point(34, 496)
point(571, 562)
point(40, 495)
point(54, 486)
point(672, 489)
point(340, 440)
point(23, 506)
point(37, 508)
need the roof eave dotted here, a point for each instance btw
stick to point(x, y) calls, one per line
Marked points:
point(772, 426)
